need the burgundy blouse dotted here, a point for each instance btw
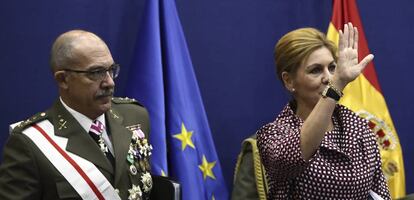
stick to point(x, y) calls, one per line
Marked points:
point(347, 164)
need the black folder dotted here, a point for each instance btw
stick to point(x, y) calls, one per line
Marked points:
point(164, 188)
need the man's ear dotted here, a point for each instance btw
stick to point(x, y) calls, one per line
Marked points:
point(62, 79)
point(288, 81)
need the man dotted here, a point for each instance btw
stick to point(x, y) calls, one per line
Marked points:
point(88, 145)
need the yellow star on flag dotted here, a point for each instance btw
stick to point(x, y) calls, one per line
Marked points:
point(212, 198)
point(206, 168)
point(163, 173)
point(185, 137)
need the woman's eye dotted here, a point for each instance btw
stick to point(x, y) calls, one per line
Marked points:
point(315, 70)
point(332, 68)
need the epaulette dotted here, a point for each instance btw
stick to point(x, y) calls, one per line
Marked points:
point(125, 100)
point(24, 124)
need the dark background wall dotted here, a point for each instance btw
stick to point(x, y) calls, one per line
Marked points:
point(231, 44)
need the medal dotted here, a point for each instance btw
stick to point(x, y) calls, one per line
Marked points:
point(130, 156)
point(142, 164)
point(135, 193)
point(102, 145)
point(133, 169)
point(146, 181)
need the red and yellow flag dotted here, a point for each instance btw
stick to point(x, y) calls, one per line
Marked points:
point(364, 97)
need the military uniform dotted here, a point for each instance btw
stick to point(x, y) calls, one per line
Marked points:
point(249, 177)
point(27, 174)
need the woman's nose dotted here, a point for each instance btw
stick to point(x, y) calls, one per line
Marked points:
point(326, 76)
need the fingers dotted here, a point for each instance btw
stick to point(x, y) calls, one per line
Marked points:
point(364, 62)
point(356, 38)
point(341, 40)
point(346, 36)
point(351, 35)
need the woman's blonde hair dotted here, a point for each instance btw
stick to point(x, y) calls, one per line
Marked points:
point(296, 46)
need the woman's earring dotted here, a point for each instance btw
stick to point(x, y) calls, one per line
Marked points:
point(292, 90)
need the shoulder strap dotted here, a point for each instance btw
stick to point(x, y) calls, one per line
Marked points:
point(259, 171)
point(83, 175)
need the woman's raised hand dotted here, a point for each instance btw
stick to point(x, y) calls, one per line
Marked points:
point(348, 68)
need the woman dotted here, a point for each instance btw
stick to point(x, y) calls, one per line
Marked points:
point(316, 148)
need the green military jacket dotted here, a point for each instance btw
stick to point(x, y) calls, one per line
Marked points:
point(249, 177)
point(26, 173)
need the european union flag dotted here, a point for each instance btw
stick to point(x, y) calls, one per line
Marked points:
point(162, 78)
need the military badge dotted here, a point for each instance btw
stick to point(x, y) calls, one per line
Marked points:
point(146, 181)
point(135, 193)
point(136, 131)
point(138, 159)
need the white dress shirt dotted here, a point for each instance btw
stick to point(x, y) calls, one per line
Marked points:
point(86, 123)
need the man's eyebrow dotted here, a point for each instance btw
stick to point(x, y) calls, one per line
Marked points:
point(96, 67)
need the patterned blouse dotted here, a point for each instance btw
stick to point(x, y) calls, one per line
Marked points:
point(347, 165)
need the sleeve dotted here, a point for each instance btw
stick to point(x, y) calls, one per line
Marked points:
point(279, 148)
point(244, 186)
point(380, 185)
point(18, 172)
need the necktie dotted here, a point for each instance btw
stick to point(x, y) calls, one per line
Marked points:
point(96, 131)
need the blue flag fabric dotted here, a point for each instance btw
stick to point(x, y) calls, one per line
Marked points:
point(162, 78)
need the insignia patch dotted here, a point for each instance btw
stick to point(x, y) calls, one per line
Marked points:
point(62, 123)
point(113, 114)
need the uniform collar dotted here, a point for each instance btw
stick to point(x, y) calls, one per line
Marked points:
point(83, 120)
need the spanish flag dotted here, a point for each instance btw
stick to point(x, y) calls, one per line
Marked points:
point(364, 96)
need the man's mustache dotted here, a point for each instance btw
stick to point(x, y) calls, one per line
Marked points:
point(105, 93)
